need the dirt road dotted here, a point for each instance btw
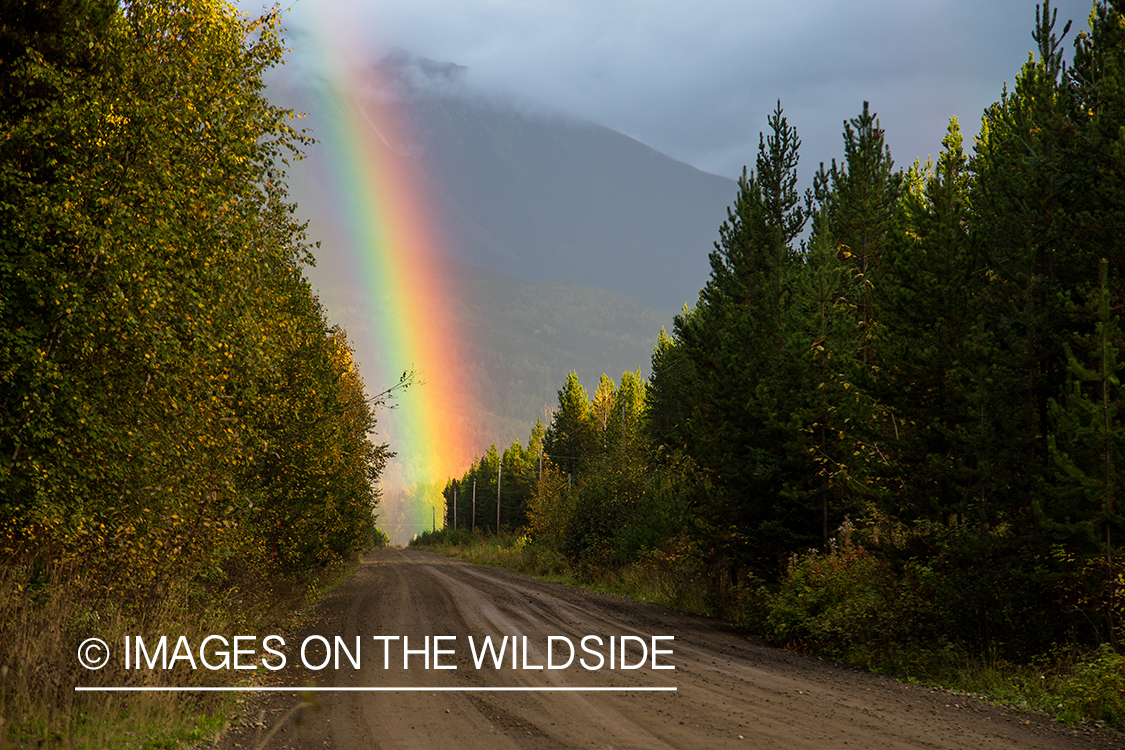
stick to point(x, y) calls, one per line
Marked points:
point(730, 691)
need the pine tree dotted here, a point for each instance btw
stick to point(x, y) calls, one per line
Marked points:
point(602, 408)
point(489, 476)
point(1088, 441)
point(929, 304)
point(570, 438)
point(856, 214)
point(1024, 225)
point(859, 199)
point(823, 407)
point(519, 474)
point(668, 398)
point(736, 341)
point(1097, 83)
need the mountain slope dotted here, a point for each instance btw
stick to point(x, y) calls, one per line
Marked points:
point(524, 339)
point(550, 199)
point(531, 195)
point(566, 245)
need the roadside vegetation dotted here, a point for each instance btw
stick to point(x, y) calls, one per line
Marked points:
point(890, 430)
point(184, 436)
point(1073, 685)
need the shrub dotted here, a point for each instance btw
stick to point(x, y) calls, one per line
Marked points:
point(1098, 687)
point(852, 604)
point(827, 601)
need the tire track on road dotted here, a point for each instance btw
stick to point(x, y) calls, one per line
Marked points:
point(732, 691)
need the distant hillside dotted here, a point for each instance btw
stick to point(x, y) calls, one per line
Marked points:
point(525, 338)
point(571, 244)
point(552, 199)
point(534, 196)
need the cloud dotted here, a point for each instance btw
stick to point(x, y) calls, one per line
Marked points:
point(696, 80)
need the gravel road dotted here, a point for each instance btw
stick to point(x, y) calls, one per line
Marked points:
point(730, 690)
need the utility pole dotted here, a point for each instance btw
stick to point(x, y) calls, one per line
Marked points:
point(499, 466)
point(546, 421)
point(433, 518)
point(474, 505)
point(455, 507)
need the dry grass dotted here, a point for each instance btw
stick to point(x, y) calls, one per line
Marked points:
point(1074, 688)
point(44, 618)
point(667, 575)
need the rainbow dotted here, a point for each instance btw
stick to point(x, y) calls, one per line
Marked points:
point(394, 243)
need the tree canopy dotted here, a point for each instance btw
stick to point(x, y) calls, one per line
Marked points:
point(926, 361)
point(174, 399)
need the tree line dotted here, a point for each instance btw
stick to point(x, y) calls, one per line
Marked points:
point(178, 415)
point(922, 364)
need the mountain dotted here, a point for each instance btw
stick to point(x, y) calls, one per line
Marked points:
point(525, 338)
point(569, 244)
point(547, 198)
point(539, 196)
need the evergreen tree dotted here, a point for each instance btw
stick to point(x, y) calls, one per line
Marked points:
point(1023, 223)
point(823, 405)
point(626, 426)
point(570, 439)
point(518, 477)
point(488, 478)
point(929, 305)
point(736, 341)
point(1097, 82)
point(535, 445)
point(859, 199)
point(1087, 445)
point(1088, 440)
point(855, 217)
point(602, 408)
point(668, 396)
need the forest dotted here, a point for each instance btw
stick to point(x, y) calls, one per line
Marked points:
point(893, 423)
point(185, 439)
point(890, 428)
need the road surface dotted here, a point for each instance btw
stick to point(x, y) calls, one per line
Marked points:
point(731, 691)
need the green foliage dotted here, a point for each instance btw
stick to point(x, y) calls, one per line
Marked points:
point(570, 438)
point(509, 549)
point(939, 360)
point(666, 409)
point(852, 604)
point(858, 202)
point(1098, 687)
point(513, 473)
point(743, 352)
point(827, 603)
point(179, 421)
point(447, 536)
point(550, 507)
point(1088, 439)
point(664, 510)
point(149, 252)
point(315, 473)
point(929, 345)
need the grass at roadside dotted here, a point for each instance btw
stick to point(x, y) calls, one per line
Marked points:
point(513, 551)
point(1071, 686)
point(38, 704)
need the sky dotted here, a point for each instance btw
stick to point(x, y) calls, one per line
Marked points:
point(696, 80)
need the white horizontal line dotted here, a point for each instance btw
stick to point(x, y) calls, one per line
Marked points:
point(173, 689)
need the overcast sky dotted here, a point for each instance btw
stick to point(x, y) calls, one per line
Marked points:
point(697, 79)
